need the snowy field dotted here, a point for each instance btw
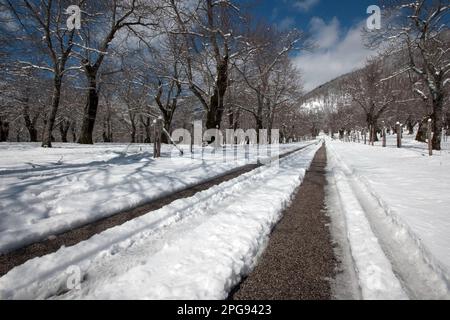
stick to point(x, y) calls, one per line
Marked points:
point(395, 204)
point(48, 191)
point(194, 248)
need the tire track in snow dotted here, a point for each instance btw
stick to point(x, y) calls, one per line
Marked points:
point(409, 262)
point(376, 277)
point(299, 261)
point(69, 238)
point(143, 236)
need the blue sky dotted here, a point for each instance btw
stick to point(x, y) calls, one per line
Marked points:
point(335, 25)
point(300, 12)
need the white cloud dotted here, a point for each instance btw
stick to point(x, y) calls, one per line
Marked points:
point(338, 52)
point(325, 35)
point(305, 5)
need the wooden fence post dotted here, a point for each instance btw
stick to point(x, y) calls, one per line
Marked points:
point(399, 134)
point(384, 135)
point(155, 138)
point(159, 137)
point(430, 137)
point(246, 149)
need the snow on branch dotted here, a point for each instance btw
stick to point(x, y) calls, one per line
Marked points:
point(29, 65)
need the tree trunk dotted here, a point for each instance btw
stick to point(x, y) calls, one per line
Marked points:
point(148, 130)
point(437, 115)
point(259, 127)
point(422, 132)
point(372, 124)
point(107, 130)
point(29, 123)
point(167, 125)
point(32, 131)
point(269, 133)
point(50, 121)
point(259, 118)
point(90, 110)
point(33, 134)
point(133, 131)
point(341, 134)
point(270, 126)
point(64, 127)
point(231, 120)
point(4, 130)
point(447, 124)
point(216, 106)
point(236, 120)
point(211, 118)
point(410, 125)
point(74, 132)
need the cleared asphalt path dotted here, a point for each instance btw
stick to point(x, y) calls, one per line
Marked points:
point(299, 260)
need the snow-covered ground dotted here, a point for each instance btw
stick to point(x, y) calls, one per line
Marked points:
point(389, 209)
point(48, 191)
point(395, 204)
point(194, 248)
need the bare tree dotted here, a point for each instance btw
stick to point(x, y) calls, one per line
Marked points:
point(163, 75)
point(44, 28)
point(421, 30)
point(374, 94)
point(32, 111)
point(262, 65)
point(117, 15)
point(285, 90)
point(206, 27)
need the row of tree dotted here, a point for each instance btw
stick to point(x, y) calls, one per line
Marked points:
point(136, 60)
point(407, 82)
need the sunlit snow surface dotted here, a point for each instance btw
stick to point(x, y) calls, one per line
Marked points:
point(195, 248)
point(46, 191)
point(396, 203)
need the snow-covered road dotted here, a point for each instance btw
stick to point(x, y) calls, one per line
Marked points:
point(194, 248)
point(396, 217)
point(48, 191)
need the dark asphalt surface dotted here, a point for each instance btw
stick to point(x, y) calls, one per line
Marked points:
point(299, 260)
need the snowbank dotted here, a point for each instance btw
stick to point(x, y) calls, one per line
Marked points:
point(375, 275)
point(194, 248)
point(49, 191)
point(399, 195)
